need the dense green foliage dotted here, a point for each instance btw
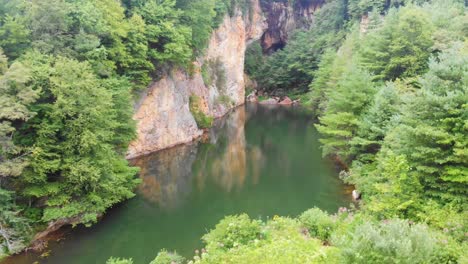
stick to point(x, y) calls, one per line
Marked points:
point(350, 239)
point(318, 223)
point(75, 139)
point(405, 142)
point(165, 257)
point(392, 107)
point(67, 72)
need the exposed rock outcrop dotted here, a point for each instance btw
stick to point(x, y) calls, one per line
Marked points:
point(286, 101)
point(163, 113)
point(283, 18)
point(356, 195)
point(163, 116)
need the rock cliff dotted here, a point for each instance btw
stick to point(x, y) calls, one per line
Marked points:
point(163, 113)
point(283, 17)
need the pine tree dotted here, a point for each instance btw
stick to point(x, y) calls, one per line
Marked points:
point(347, 101)
point(376, 121)
point(401, 47)
point(433, 133)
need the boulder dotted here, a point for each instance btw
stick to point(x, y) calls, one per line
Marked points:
point(356, 195)
point(286, 101)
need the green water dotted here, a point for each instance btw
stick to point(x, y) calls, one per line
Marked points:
point(264, 161)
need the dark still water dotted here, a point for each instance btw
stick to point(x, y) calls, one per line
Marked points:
point(260, 160)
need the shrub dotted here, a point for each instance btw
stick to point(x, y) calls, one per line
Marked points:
point(206, 76)
point(225, 100)
point(113, 260)
point(165, 257)
point(394, 241)
point(203, 120)
point(233, 231)
point(280, 241)
point(318, 223)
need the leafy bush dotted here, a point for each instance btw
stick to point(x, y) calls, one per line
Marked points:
point(318, 223)
point(206, 75)
point(225, 100)
point(233, 231)
point(393, 241)
point(165, 257)
point(278, 241)
point(113, 260)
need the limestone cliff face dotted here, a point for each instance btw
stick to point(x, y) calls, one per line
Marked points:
point(283, 18)
point(163, 115)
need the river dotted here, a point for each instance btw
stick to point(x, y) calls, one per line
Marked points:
point(261, 160)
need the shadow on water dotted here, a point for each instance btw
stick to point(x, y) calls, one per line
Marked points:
point(260, 160)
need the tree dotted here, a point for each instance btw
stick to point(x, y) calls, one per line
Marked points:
point(15, 230)
point(74, 165)
point(346, 103)
point(49, 24)
point(14, 36)
point(401, 47)
point(168, 39)
point(376, 121)
point(321, 83)
point(432, 134)
point(199, 15)
point(137, 65)
point(15, 96)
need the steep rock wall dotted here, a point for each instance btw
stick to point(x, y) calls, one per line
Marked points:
point(163, 115)
point(283, 17)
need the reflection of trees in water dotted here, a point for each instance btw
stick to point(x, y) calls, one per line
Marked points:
point(167, 175)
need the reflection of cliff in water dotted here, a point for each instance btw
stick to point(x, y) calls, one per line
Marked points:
point(223, 159)
point(166, 175)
